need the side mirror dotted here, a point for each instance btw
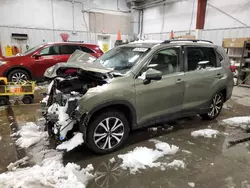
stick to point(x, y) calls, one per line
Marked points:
point(152, 74)
point(36, 56)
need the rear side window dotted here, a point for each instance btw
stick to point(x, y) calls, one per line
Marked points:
point(87, 50)
point(197, 56)
point(68, 49)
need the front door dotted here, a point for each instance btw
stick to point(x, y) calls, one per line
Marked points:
point(202, 74)
point(162, 97)
point(49, 56)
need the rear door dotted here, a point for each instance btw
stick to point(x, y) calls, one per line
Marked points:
point(66, 50)
point(165, 96)
point(202, 75)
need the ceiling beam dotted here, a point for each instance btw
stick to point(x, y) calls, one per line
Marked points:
point(201, 12)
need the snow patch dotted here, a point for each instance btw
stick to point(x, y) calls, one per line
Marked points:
point(166, 148)
point(186, 151)
point(112, 160)
point(176, 164)
point(143, 157)
point(0, 138)
point(242, 121)
point(30, 134)
point(45, 100)
point(63, 119)
point(72, 143)
point(207, 133)
point(191, 184)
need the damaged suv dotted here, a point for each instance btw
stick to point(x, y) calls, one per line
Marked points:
point(134, 86)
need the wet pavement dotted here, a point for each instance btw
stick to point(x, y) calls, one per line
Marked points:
point(210, 163)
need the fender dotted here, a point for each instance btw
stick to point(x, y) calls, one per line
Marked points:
point(87, 116)
point(18, 67)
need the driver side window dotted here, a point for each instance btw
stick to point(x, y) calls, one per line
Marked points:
point(50, 50)
point(167, 61)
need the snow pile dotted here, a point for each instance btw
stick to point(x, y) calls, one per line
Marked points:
point(72, 143)
point(207, 133)
point(242, 121)
point(30, 134)
point(15, 165)
point(51, 173)
point(142, 157)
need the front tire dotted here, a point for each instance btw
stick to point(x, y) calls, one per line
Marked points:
point(107, 132)
point(18, 76)
point(215, 107)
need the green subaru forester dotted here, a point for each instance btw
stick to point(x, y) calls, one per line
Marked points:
point(133, 86)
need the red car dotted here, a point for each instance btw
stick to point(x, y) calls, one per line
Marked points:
point(32, 64)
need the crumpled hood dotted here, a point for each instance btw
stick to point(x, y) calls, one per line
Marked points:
point(92, 67)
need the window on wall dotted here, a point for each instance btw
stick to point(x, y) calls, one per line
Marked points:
point(68, 49)
point(198, 56)
point(50, 50)
point(166, 61)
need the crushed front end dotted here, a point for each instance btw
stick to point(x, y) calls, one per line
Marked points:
point(61, 103)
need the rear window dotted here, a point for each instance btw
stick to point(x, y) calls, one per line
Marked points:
point(68, 49)
point(87, 50)
point(196, 55)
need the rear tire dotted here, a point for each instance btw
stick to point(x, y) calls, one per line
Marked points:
point(18, 76)
point(4, 101)
point(215, 107)
point(107, 132)
point(27, 99)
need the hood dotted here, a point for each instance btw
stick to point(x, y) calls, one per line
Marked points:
point(10, 58)
point(53, 71)
point(78, 60)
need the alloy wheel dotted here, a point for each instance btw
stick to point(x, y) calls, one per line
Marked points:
point(108, 133)
point(19, 77)
point(216, 105)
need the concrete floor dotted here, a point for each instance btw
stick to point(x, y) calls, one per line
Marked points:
point(211, 163)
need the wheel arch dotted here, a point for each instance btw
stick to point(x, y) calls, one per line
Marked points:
point(123, 106)
point(8, 71)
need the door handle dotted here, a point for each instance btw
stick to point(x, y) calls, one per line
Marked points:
point(178, 81)
point(57, 59)
point(219, 75)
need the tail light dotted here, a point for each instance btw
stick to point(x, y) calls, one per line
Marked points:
point(233, 68)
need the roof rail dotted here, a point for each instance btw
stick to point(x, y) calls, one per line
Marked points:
point(186, 40)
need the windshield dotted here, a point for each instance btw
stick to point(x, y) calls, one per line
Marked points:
point(122, 59)
point(31, 50)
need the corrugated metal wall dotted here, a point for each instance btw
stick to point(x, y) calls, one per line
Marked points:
point(214, 35)
point(37, 36)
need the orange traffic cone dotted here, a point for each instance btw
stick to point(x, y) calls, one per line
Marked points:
point(119, 36)
point(172, 34)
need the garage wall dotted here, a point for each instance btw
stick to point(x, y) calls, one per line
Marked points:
point(157, 24)
point(45, 20)
point(175, 16)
